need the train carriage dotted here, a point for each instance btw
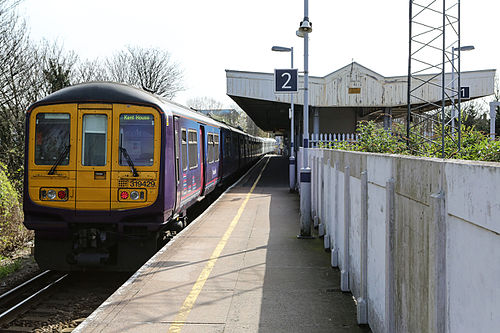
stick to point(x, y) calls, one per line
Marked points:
point(110, 169)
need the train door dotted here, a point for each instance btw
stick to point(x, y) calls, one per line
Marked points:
point(202, 159)
point(93, 171)
point(178, 166)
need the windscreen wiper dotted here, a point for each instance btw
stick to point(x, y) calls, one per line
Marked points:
point(61, 156)
point(129, 161)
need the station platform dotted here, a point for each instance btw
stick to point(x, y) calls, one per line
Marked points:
point(239, 267)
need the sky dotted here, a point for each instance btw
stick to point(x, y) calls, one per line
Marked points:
point(206, 37)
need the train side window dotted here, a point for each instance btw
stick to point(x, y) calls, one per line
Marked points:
point(52, 131)
point(216, 147)
point(184, 152)
point(193, 149)
point(210, 146)
point(94, 139)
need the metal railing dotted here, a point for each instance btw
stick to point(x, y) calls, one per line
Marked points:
point(325, 138)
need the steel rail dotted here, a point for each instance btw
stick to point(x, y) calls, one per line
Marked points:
point(26, 300)
point(23, 284)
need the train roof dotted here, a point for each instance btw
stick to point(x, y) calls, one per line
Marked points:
point(100, 92)
point(113, 92)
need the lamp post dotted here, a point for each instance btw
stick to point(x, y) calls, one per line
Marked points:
point(305, 172)
point(292, 153)
point(453, 115)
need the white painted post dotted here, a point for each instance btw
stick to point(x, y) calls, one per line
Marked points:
point(321, 194)
point(297, 182)
point(305, 200)
point(389, 256)
point(440, 295)
point(300, 162)
point(333, 207)
point(326, 205)
point(314, 185)
point(304, 173)
point(362, 309)
point(344, 273)
point(335, 228)
point(318, 184)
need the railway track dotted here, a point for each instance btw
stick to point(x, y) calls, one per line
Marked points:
point(17, 300)
point(55, 301)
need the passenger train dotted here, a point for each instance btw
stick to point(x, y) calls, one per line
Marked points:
point(111, 169)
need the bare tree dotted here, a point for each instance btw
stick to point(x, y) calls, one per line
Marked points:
point(204, 103)
point(58, 66)
point(18, 84)
point(28, 71)
point(233, 115)
point(119, 68)
point(149, 68)
point(248, 124)
point(90, 70)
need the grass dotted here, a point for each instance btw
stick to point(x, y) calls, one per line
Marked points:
point(9, 268)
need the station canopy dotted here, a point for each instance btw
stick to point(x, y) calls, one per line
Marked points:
point(345, 96)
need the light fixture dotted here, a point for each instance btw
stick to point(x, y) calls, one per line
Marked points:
point(281, 49)
point(305, 26)
point(464, 48)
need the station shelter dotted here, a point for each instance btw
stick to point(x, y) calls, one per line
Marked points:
point(339, 100)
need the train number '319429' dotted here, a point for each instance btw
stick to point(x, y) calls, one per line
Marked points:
point(142, 183)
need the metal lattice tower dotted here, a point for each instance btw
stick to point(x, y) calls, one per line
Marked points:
point(434, 50)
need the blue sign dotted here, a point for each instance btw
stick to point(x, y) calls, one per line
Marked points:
point(464, 92)
point(286, 80)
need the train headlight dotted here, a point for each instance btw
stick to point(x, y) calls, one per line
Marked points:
point(134, 195)
point(51, 194)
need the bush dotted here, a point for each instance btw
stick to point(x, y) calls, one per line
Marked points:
point(12, 231)
point(475, 145)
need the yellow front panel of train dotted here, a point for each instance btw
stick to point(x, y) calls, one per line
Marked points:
point(94, 156)
point(138, 142)
point(94, 151)
point(52, 155)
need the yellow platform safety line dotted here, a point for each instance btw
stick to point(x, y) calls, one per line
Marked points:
point(186, 308)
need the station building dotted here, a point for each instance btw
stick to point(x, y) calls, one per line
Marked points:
point(340, 99)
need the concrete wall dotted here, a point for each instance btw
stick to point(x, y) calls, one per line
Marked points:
point(417, 240)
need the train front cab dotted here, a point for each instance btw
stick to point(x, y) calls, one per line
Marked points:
point(92, 171)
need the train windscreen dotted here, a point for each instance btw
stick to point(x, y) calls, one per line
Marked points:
point(52, 132)
point(137, 138)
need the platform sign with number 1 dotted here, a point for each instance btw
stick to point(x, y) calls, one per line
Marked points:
point(285, 81)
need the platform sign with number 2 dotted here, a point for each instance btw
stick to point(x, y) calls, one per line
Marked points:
point(285, 80)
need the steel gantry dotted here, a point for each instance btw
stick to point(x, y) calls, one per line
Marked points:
point(434, 51)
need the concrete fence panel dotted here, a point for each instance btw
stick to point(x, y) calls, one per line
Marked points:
point(417, 240)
